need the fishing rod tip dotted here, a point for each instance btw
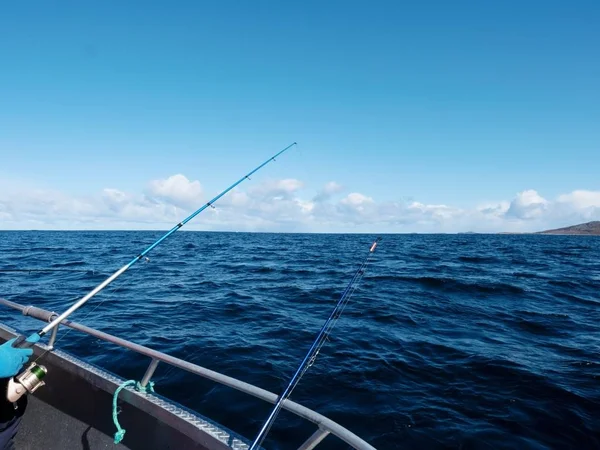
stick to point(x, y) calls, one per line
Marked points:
point(374, 246)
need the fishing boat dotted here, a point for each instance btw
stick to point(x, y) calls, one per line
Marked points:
point(74, 408)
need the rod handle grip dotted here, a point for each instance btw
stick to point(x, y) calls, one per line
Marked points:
point(21, 342)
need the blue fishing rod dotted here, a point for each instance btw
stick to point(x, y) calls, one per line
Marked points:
point(316, 346)
point(29, 376)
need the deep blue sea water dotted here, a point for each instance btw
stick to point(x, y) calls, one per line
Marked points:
point(452, 341)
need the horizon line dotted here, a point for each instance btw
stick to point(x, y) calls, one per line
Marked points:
point(269, 232)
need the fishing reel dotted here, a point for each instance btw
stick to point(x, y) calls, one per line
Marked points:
point(27, 382)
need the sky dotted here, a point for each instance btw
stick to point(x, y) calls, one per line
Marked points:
point(430, 116)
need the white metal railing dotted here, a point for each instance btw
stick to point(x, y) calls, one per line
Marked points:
point(325, 425)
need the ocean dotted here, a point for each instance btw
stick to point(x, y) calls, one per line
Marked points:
point(451, 341)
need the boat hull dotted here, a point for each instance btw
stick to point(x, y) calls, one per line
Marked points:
point(74, 410)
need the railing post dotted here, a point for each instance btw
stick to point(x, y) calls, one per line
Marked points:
point(149, 372)
point(314, 440)
point(53, 337)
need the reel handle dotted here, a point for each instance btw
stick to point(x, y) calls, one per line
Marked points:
point(21, 342)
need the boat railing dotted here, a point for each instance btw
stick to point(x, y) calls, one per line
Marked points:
point(325, 426)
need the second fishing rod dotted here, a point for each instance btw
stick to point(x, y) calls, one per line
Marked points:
point(316, 346)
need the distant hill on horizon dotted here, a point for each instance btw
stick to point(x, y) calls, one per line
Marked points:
point(588, 229)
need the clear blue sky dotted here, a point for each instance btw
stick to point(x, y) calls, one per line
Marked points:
point(445, 102)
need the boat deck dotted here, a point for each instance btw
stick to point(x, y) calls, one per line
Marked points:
point(67, 431)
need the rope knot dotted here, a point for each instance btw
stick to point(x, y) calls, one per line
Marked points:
point(148, 388)
point(120, 433)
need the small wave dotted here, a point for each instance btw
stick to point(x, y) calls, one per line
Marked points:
point(585, 364)
point(39, 249)
point(454, 285)
point(543, 314)
point(69, 264)
point(262, 269)
point(238, 295)
point(526, 275)
point(236, 308)
point(537, 328)
point(564, 283)
point(567, 252)
point(290, 271)
point(390, 318)
point(205, 284)
point(478, 259)
point(422, 257)
point(577, 299)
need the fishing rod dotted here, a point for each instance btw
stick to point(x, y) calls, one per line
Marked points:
point(34, 370)
point(316, 346)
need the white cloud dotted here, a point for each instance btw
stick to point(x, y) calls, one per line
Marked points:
point(329, 190)
point(581, 199)
point(177, 190)
point(279, 205)
point(528, 205)
point(356, 199)
point(494, 209)
point(276, 189)
point(332, 188)
point(289, 185)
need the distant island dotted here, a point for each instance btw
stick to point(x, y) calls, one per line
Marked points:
point(587, 229)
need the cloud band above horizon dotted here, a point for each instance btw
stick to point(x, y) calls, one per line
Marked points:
point(283, 205)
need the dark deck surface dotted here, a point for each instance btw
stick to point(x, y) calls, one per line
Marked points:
point(66, 432)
